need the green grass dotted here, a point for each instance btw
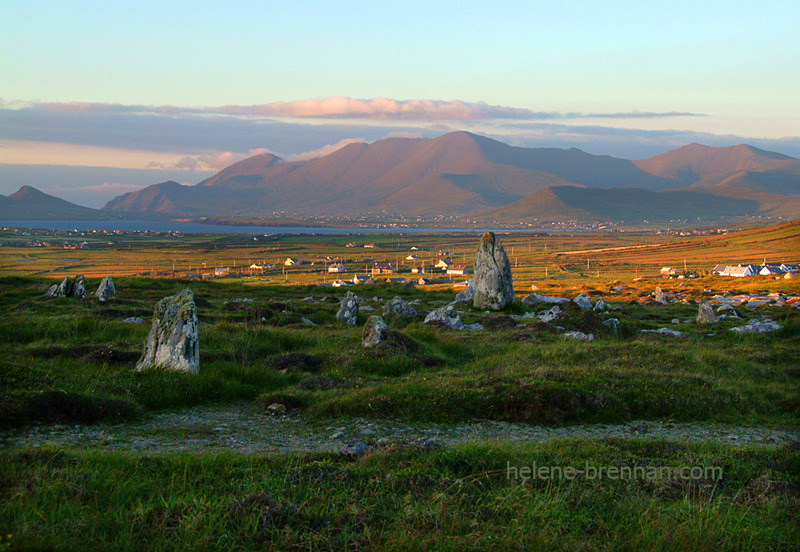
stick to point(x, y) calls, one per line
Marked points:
point(403, 499)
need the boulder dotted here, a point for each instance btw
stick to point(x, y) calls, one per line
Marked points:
point(659, 297)
point(467, 294)
point(446, 316)
point(173, 341)
point(583, 301)
point(375, 332)
point(78, 290)
point(348, 309)
point(494, 288)
point(551, 315)
point(51, 292)
point(758, 326)
point(578, 336)
point(600, 306)
point(105, 290)
point(705, 313)
point(612, 324)
point(398, 307)
point(665, 331)
point(533, 299)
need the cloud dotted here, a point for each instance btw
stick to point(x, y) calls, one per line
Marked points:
point(325, 150)
point(343, 107)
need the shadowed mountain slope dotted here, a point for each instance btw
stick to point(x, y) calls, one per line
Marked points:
point(29, 203)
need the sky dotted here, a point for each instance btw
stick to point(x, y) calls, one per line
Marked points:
point(147, 90)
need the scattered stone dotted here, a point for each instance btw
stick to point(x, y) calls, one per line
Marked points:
point(705, 314)
point(307, 322)
point(446, 316)
point(612, 324)
point(494, 288)
point(375, 332)
point(355, 447)
point(467, 294)
point(665, 331)
point(133, 320)
point(533, 299)
point(366, 308)
point(727, 310)
point(105, 290)
point(428, 443)
point(579, 336)
point(309, 298)
point(348, 309)
point(51, 292)
point(276, 408)
point(553, 314)
point(600, 306)
point(583, 301)
point(173, 341)
point(399, 307)
point(473, 327)
point(659, 296)
point(758, 326)
point(675, 321)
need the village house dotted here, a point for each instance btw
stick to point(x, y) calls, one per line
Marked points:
point(361, 279)
point(351, 244)
point(412, 258)
point(719, 269)
point(457, 269)
point(771, 268)
point(382, 268)
point(669, 271)
point(221, 272)
point(790, 267)
point(370, 245)
point(419, 269)
point(740, 271)
point(291, 261)
point(337, 268)
point(443, 263)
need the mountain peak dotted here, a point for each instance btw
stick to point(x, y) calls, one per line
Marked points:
point(29, 192)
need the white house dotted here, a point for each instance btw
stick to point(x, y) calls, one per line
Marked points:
point(337, 268)
point(457, 269)
point(739, 271)
point(412, 258)
point(291, 261)
point(443, 263)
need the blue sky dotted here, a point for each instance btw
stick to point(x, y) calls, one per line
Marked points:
point(193, 85)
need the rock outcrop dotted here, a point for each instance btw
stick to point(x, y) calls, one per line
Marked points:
point(398, 307)
point(173, 341)
point(348, 309)
point(446, 316)
point(494, 288)
point(583, 301)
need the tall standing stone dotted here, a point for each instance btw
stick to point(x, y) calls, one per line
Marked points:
point(173, 341)
point(659, 297)
point(63, 288)
point(493, 286)
point(348, 309)
point(78, 290)
point(105, 290)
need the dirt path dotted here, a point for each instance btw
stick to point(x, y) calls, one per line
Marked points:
point(241, 427)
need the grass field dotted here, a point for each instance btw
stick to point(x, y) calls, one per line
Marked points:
point(64, 361)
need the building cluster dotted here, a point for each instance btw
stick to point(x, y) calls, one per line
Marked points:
point(745, 270)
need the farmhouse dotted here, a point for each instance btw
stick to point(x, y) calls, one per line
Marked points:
point(719, 269)
point(412, 258)
point(457, 269)
point(337, 268)
point(370, 245)
point(740, 271)
point(443, 263)
point(291, 261)
point(220, 272)
point(670, 271)
point(382, 268)
point(771, 268)
point(419, 269)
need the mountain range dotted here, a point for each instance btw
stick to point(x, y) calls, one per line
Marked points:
point(463, 174)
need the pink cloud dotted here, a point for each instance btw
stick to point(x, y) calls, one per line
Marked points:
point(325, 150)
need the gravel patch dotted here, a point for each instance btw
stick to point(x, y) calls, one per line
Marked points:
point(244, 428)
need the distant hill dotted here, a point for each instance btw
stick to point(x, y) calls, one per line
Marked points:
point(28, 203)
point(569, 203)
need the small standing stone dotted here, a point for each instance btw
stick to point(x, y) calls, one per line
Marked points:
point(348, 309)
point(705, 314)
point(78, 290)
point(399, 307)
point(173, 341)
point(494, 288)
point(105, 290)
point(63, 288)
point(375, 331)
point(583, 301)
point(659, 296)
point(600, 306)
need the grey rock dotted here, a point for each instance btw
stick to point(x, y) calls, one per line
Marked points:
point(659, 297)
point(675, 321)
point(63, 288)
point(307, 322)
point(276, 408)
point(665, 331)
point(758, 326)
point(612, 324)
point(473, 327)
point(494, 288)
point(366, 308)
point(51, 292)
point(173, 342)
point(533, 299)
point(553, 314)
point(583, 301)
point(105, 290)
point(78, 290)
point(579, 336)
point(133, 320)
point(375, 331)
point(727, 310)
point(467, 294)
point(348, 309)
point(447, 316)
point(399, 307)
point(355, 447)
point(705, 314)
point(600, 306)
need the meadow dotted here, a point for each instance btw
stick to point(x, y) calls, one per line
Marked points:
point(65, 362)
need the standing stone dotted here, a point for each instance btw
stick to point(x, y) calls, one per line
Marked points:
point(78, 290)
point(51, 292)
point(399, 307)
point(105, 290)
point(600, 305)
point(63, 288)
point(493, 286)
point(348, 309)
point(583, 301)
point(705, 314)
point(173, 341)
point(375, 331)
point(659, 296)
